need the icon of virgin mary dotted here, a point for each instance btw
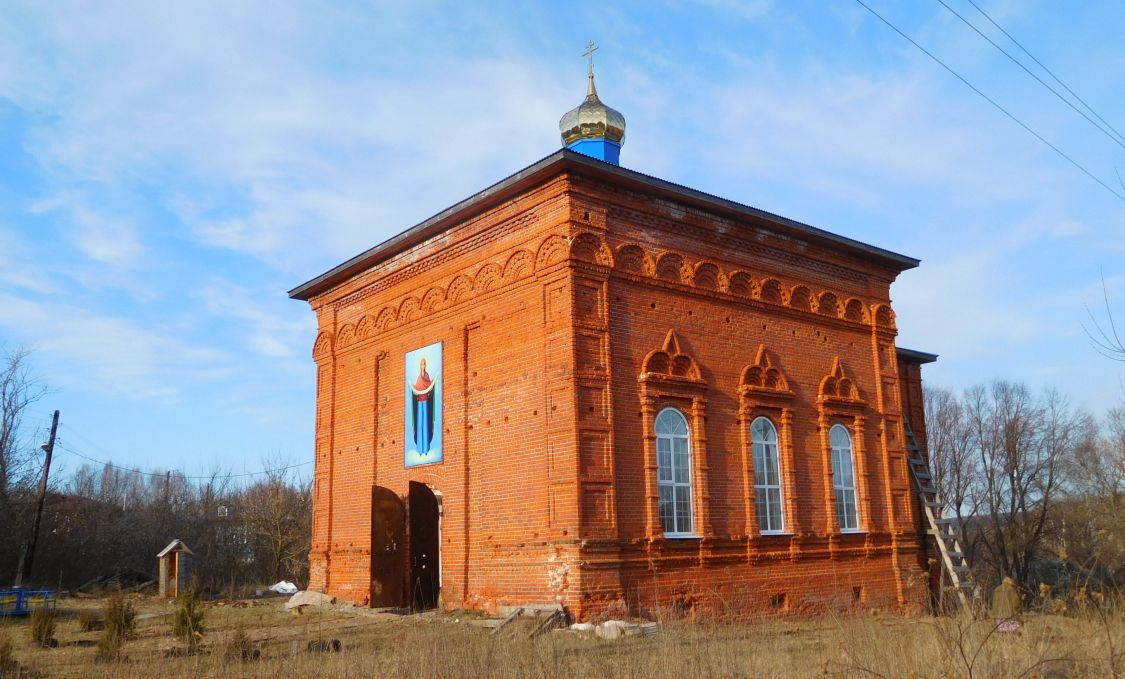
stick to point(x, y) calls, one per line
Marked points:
point(422, 409)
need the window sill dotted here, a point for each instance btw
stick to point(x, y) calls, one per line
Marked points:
point(682, 536)
point(856, 531)
point(776, 534)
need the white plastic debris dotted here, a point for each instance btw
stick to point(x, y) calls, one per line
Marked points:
point(611, 629)
point(284, 587)
point(582, 627)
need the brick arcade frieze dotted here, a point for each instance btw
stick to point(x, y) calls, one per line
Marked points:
point(630, 260)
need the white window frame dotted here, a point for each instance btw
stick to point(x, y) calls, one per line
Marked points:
point(763, 487)
point(843, 484)
point(677, 486)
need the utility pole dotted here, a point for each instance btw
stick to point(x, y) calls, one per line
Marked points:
point(49, 447)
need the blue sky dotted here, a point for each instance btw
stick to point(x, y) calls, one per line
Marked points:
point(167, 173)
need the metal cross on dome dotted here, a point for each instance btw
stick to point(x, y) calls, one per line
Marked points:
point(589, 53)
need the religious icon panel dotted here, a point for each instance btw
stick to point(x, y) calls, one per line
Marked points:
point(423, 406)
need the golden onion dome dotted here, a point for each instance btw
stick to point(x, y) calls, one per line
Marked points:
point(592, 120)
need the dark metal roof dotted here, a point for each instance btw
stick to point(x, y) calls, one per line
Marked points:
point(919, 357)
point(553, 165)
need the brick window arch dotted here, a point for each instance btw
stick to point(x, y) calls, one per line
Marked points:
point(671, 381)
point(767, 476)
point(843, 478)
point(674, 473)
point(767, 453)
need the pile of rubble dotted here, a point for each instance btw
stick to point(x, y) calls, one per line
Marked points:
point(617, 629)
point(299, 601)
point(539, 619)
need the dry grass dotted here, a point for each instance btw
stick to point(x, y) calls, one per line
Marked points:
point(88, 621)
point(446, 645)
point(5, 651)
point(43, 627)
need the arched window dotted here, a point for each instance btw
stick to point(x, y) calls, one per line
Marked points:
point(767, 476)
point(673, 473)
point(843, 477)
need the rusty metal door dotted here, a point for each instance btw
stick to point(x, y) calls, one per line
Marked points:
point(388, 540)
point(425, 562)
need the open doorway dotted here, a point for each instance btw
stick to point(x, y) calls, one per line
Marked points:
point(425, 545)
point(388, 544)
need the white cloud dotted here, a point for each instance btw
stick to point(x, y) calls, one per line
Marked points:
point(104, 239)
point(747, 9)
point(1097, 305)
point(19, 267)
point(109, 355)
point(268, 331)
point(255, 148)
point(233, 121)
point(861, 138)
point(114, 241)
point(957, 307)
point(1040, 226)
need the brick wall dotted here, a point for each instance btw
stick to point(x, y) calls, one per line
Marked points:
point(910, 376)
point(570, 313)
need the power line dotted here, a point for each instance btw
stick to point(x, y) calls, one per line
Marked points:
point(92, 444)
point(178, 473)
point(992, 101)
point(1044, 67)
point(69, 429)
point(1019, 63)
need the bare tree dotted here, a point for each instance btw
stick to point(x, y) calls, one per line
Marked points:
point(952, 458)
point(1099, 468)
point(19, 390)
point(1103, 334)
point(277, 518)
point(1090, 525)
point(1021, 443)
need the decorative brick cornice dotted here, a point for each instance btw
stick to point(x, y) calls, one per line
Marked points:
point(631, 259)
point(704, 276)
point(512, 267)
point(322, 346)
point(748, 246)
point(445, 254)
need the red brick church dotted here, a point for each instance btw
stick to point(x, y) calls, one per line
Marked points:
point(591, 387)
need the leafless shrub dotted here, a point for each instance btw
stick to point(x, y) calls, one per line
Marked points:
point(188, 622)
point(239, 647)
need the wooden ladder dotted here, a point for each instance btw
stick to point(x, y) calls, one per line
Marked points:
point(946, 531)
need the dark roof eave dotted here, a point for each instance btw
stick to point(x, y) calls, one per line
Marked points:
point(914, 356)
point(895, 260)
point(527, 176)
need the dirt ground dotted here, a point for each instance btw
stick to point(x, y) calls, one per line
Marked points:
point(453, 644)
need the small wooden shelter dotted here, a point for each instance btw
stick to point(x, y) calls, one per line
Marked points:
point(176, 564)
